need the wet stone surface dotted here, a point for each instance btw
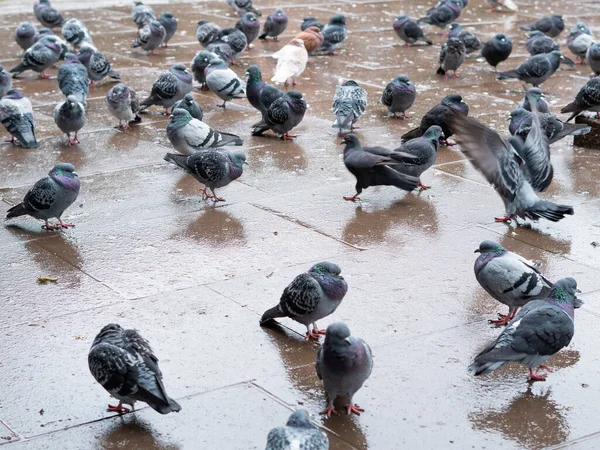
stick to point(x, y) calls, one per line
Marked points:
point(194, 278)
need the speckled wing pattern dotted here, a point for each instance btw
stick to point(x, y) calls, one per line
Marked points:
point(99, 64)
point(287, 438)
point(537, 66)
point(301, 296)
point(113, 368)
point(164, 88)
point(388, 95)
point(279, 111)
point(41, 196)
point(349, 102)
point(209, 165)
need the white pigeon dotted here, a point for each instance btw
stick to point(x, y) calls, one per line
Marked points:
point(291, 62)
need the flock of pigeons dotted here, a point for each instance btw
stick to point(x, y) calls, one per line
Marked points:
point(518, 168)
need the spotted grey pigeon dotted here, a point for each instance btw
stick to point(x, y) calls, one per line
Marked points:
point(142, 14)
point(250, 26)
point(150, 37)
point(398, 96)
point(422, 151)
point(275, 24)
point(5, 82)
point(234, 38)
point(308, 22)
point(592, 57)
point(343, 364)
point(282, 115)
point(50, 197)
point(587, 99)
point(123, 104)
point(189, 135)
point(521, 122)
point(536, 69)
point(472, 43)
point(551, 26)
point(170, 87)
point(73, 78)
point(199, 64)
point(242, 7)
point(47, 15)
point(24, 34)
point(41, 55)
point(214, 168)
point(69, 116)
point(334, 34)
point(190, 105)
point(371, 167)
point(98, 67)
point(452, 55)
point(206, 32)
point(443, 14)
point(169, 23)
point(438, 115)
point(311, 296)
point(497, 49)
point(537, 42)
point(500, 162)
point(408, 30)
point(76, 33)
point(123, 362)
point(349, 103)
point(509, 278)
point(16, 114)
point(298, 433)
point(224, 82)
point(538, 97)
point(541, 329)
point(578, 43)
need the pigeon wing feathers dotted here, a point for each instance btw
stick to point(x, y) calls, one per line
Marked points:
point(536, 155)
point(209, 165)
point(41, 196)
point(164, 88)
point(301, 297)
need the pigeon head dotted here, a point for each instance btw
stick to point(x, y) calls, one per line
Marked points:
point(250, 18)
point(180, 71)
point(338, 334)
point(217, 63)
point(454, 102)
point(535, 34)
point(180, 116)
point(300, 419)
point(253, 73)
point(401, 19)
point(202, 22)
point(14, 94)
point(536, 94)
point(518, 114)
point(326, 268)
point(490, 247)
point(71, 58)
point(456, 6)
point(501, 37)
point(434, 133)
point(138, 3)
point(118, 92)
point(279, 15)
point(338, 19)
point(188, 98)
point(238, 159)
point(297, 43)
point(64, 169)
point(350, 83)
point(455, 29)
point(166, 15)
point(455, 45)
point(580, 26)
point(351, 141)
point(402, 79)
point(155, 27)
point(564, 294)
point(110, 332)
point(72, 100)
point(65, 175)
point(25, 29)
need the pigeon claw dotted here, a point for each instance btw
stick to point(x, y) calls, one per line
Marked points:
point(422, 186)
point(535, 376)
point(352, 198)
point(506, 219)
point(329, 411)
point(288, 137)
point(44, 76)
point(62, 224)
point(49, 227)
point(119, 408)
point(312, 334)
point(353, 408)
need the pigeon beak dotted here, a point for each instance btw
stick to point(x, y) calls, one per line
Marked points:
point(578, 291)
point(343, 142)
point(477, 251)
point(75, 173)
point(349, 340)
point(245, 163)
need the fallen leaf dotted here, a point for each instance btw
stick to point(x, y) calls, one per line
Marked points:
point(44, 280)
point(42, 412)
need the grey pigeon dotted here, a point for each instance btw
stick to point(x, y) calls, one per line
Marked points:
point(123, 362)
point(438, 115)
point(587, 99)
point(142, 14)
point(521, 122)
point(170, 87)
point(308, 22)
point(250, 26)
point(242, 7)
point(497, 49)
point(297, 433)
point(41, 55)
point(190, 105)
point(150, 37)
point(444, 14)
point(24, 34)
point(206, 32)
point(224, 82)
point(189, 135)
point(371, 167)
point(592, 57)
point(422, 151)
point(349, 103)
point(311, 296)
point(73, 78)
point(334, 34)
point(234, 38)
point(578, 43)
point(472, 43)
point(541, 329)
point(452, 55)
point(47, 15)
point(260, 94)
point(123, 104)
point(275, 24)
point(76, 33)
point(537, 42)
point(169, 23)
point(536, 69)
point(50, 197)
point(214, 168)
point(199, 64)
point(500, 162)
point(409, 31)
point(509, 278)
point(398, 96)
point(16, 114)
point(98, 67)
point(343, 363)
point(69, 116)
point(551, 26)
point(5, 82)
point(43, 32)
point(538, 97)
point(282, 115)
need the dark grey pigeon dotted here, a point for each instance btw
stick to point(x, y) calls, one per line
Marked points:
point(555, 130)
point(50, 197)
point(69, 116)
point(541, 329)
point(123, 362)
point(443, 14)
point(170, 87)
point(343, 364)
point(41, 55)
point(398, 96)
point(73, 79)
point(497, 49)
point(98, 67)
point(551, 26)
point(241, 7)
point(142, 14)
point(538, 97)
point(16, 114)
point(24, 34)
point(275, 24)
point(592, 57)
point(537, 42)
point(334, 34)
point(509, 278)
point(349, 103)
point(578, 43)
point(250, 26)
point(308, 22)
point(123, 104)
point(76, 33)
point(5, 82)
point(312, 296)
point(297, 433)
point(150, 37)
point(587, 99)
point(206, 32)
point(371, 167)
point(223, 81)
point(234, 38)
point(214, 168)
point(47, 15)
point(190, 105)
point(169, 23)
point(282, 115)
point(452, 55)
point(199, 63)
point(472, 43)
point(422, 151)
point(536, 69)
point(500, 162)
point(408, 30)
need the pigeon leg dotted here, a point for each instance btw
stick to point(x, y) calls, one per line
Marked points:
point(501, 320)
point(545, 367)
point(49, 227)
point(316, 330)
point(447, 143)
point(65, 225)
point(506, 219)
point(76, 139)
point(406, 116)
point(44, 76)
point(204, 87)
point(353, 408)
point(150, 52)
point(406, 44)
point(293, 82)
point(312, 334)
point(535, 376)
point(354, 127)
point(11, 140)
point(288, 136)
point(119, 408)
point(422, 186)
point(216, 198)
point(223, 105)
point(456, 75)
point(352, 198)
point(205, 194)
point(329, 411)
